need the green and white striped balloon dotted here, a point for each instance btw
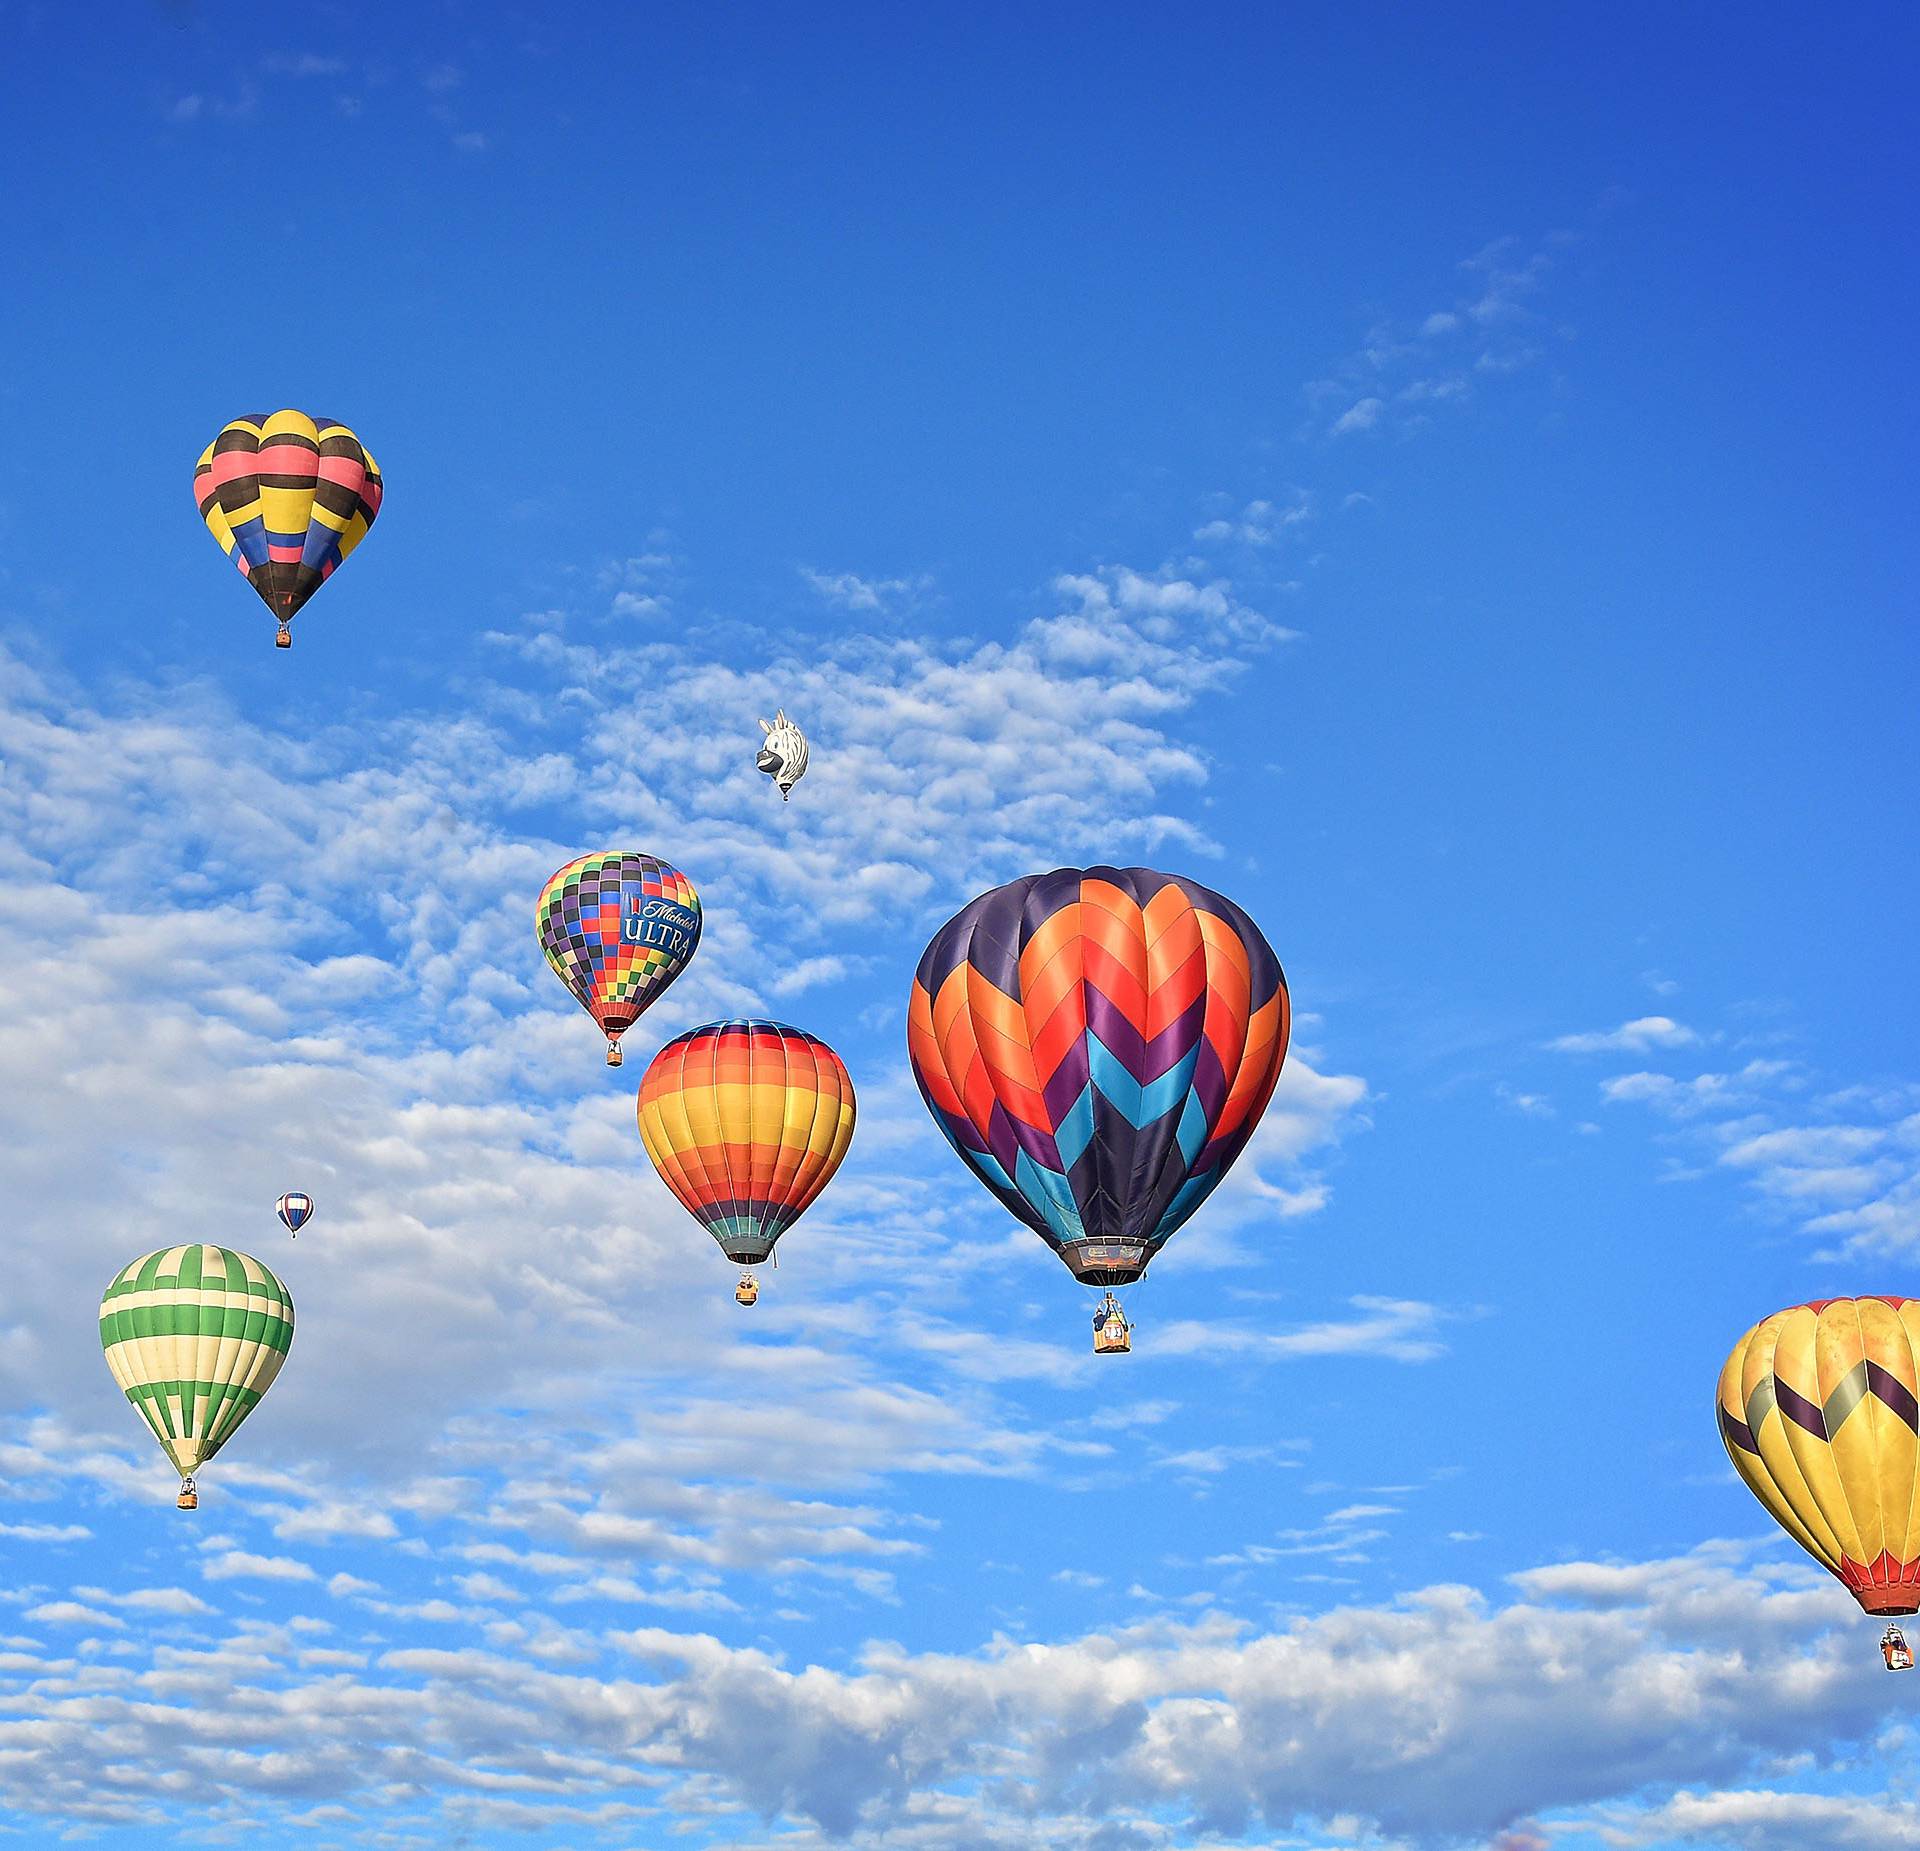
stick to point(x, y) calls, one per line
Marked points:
point(195, 1336)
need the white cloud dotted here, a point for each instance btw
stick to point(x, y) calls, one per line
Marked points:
point(148, 1599)
point(1530, 1105)
point(239, 1564)
point(848, 591)
point(1391, 1329)
point(1643, 1032)
point(1845, 1164)
point(1259, 523)
point(1763, 1819)
point(1637, 1694)
point(1705, 1093)
point(809, 974)
point(70, 1613)
point(1386, 382)
point(1361, 415)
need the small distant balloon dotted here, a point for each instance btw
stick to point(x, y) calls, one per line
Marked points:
point(783, 755)
point(287, 497)
point(617, 928)
point(295, 1210)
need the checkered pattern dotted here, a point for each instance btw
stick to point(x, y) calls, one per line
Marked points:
point(578, 920)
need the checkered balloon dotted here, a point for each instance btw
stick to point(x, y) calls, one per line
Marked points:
point(617, 927)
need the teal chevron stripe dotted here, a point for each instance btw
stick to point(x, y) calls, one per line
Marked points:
point(1191, 1133)
point(1047, 1190)
point(1140, 1105)
point(1075, 1131)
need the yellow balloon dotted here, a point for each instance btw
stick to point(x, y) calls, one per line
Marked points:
point(1820, 1413)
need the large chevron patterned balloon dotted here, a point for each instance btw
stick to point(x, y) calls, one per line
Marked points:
point(1099, 1044)
point(1820, 1411)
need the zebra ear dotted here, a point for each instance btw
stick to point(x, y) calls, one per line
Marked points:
point(765, 728)
point(779, 716)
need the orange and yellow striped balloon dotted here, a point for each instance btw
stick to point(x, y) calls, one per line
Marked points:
point(1820, 1411)
point(746, 1122)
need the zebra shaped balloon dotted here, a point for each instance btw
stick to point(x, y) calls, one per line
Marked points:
point(784, 755)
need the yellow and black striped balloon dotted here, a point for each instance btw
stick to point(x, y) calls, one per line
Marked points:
point(1820, 1412)
point(287, 497)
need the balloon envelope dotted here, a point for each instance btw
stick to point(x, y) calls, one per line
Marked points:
point(1819, 1413)
point(617, 928)
point(1099, 1045)
point(746, 1122)
point(783, 757)
point(195, 1336)
point(287, 497)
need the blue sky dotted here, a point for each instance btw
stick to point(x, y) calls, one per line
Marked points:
point(1444, 482)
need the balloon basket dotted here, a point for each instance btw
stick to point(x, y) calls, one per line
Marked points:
point(285, 639)
point(747, 1291)
point(614, 1056)
point(189, 1498)
point(1112, 1333)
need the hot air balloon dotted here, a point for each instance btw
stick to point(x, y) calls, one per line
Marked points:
point(295, 1210)
point(617, 928)
point(746, 1122)
point(1099, 1044)
point(288, 497)
point(1819, 1413)
point(195, 1336)
point(784, 755)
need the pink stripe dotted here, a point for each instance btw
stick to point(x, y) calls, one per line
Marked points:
point(286, 459)
point(348, 471)
point(230, 465)
point(284, 555)
point(372, 493)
